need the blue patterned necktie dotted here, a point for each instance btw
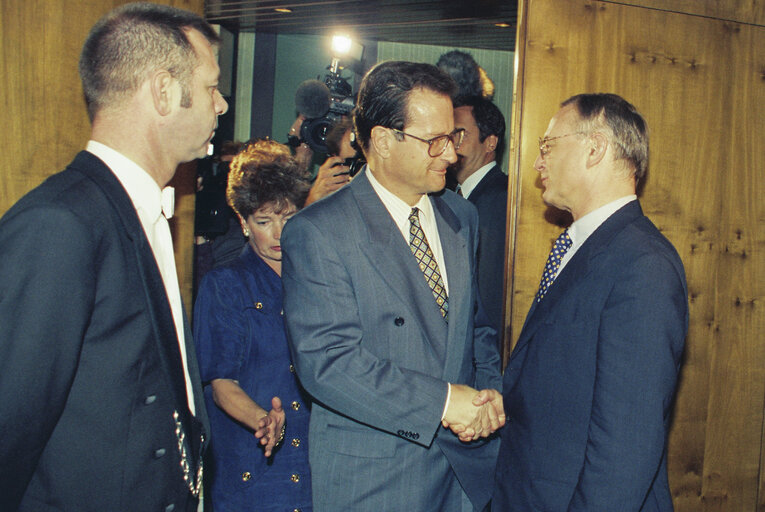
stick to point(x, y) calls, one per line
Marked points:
point(421, 250)
point(560, 247)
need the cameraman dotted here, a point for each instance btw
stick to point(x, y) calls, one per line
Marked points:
point(334, 173)
point(301, 151)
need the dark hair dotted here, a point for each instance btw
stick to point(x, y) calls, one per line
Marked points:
point(384, 95)
point(231, 147)
point(130, 42)
point(488, 118)
point(628, 128)
point(265, 173)
point(463, 68)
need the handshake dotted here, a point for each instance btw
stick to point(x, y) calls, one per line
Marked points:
point(472, 414)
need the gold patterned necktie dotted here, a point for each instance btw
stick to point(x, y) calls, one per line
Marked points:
point(559, 249)
point(421, 250)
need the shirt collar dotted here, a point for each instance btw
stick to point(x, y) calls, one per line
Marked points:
point(474, 179)
point(585, 226)
point(398, 208)
point(148, 199)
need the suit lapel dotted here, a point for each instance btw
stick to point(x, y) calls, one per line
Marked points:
point(576, 269)
point(457, 261)
point(389, 254)
point(158, 305)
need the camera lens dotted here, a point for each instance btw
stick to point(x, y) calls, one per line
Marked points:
point(314, 133)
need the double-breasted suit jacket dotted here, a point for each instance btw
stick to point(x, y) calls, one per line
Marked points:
point(371, 347)
point(90, 368)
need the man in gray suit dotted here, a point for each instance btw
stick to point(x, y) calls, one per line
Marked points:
point(383, 318)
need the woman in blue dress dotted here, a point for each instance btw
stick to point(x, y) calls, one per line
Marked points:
point(258, 412)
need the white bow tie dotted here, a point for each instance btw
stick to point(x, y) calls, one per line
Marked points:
point(168, 202)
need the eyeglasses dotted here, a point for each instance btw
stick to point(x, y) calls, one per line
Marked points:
point(437, 145)
point(544, 147)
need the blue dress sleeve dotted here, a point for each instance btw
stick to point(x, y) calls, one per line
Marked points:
point(220, 328)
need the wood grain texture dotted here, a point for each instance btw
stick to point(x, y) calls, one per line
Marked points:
point(741, 11)
point(700, 83)
point(43, 112)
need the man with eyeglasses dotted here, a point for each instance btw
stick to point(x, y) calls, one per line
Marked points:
point(590, 383)
point(383, 319)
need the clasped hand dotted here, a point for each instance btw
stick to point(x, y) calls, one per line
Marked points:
point(270, 426)
point(472, 414)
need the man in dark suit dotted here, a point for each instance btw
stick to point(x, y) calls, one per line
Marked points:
point(102, 407)
point(590, 384)
point(482, 182)
point(381, 308)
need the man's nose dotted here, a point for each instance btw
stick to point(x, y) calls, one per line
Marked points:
point(538, 163)
point(450, 154)
point(221, 105)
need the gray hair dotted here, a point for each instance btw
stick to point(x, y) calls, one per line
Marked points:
point(628, 128)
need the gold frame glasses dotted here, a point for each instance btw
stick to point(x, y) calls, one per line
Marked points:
point(544, 147)
point(437, 145)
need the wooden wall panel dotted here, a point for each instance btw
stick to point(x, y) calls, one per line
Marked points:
point(700, 83)
point(42, 111)
point(742, 11)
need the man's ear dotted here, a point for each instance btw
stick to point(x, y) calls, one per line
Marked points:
point(596, 148)
point(381, 140)
point(490, 143)
point(162, 91)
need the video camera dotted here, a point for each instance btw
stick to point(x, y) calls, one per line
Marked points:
point(331, 100)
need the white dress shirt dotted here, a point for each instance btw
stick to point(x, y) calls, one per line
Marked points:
point(581, 229)
point(150, 203)
point(400, 212)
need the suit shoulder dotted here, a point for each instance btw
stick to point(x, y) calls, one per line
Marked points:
point(497, 177)
point(333, 204)
point(494, 184)
point(334, 213)
point(457, 203)
point(67, 190)
point(641, 239)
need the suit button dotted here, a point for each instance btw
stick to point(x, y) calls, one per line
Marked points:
point(150, 399)
point(170, 508)
point(158, 454)
point(295, 477)
point(292, 368)
point(246, 476)
point(296, 442)
point(399, 321)
point(258, 305)
point(295, 406)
